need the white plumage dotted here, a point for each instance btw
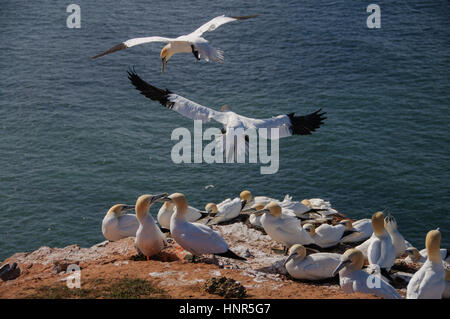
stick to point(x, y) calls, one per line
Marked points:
point(326, 235)
point(117, 225)
point(227, 210)
point(390, 224)
point(167, 209)
point(364, 230)
point(381, 251)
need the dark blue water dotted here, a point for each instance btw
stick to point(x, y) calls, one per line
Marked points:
point(76, 137)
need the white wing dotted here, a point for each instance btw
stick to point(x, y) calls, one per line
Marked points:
point(201, 239)
point(217, 22)
point(176, 102)
point(131, 43)
point(128, 225)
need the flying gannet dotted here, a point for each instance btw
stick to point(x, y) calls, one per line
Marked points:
point(311, 267)
point(117, 225)
point(166, 211)
point(234, 125)
point(196, 238)
point(149, 238)
point(429, 281)
point(353, 279)
point(193, 42)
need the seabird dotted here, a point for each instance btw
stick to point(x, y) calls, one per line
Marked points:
point(166, 211)
point(363, 229)
point(416, 256)
point(149, 238)
point(397, 239)
point(117, 225)
point(225, 211)
point(234, 125)
point(326, 235)
point(429, 281)
point(196, 238)
point(191, 43)
point(311, 267)
point(381, 251)
point(284, 229)
point(353, 279)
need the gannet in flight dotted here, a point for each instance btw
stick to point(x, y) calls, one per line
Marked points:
point(416, 256)
point(353, 279)
point(326, 235)
point(193, 42)
point(166, 211)
point(288, 125)
point(284, 229)
point(117, 225)
point(149, 238)
point(429, 281)
point(196, 238)
point(225, 211)
point(381, 251)
point(312, 267)
point(397, 239)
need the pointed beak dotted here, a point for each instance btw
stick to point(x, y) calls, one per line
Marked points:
point(164, 62)
point(128, 207)
point(243, 203)
point(249, 210)
point(261, 212)
point(291, 256)
point(159, 198)
point(341, 265)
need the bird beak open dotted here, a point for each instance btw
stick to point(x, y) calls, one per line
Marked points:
point(289, 258)
point(341, 265)
point(164, 62)
point(159, 198)
point(261, 212)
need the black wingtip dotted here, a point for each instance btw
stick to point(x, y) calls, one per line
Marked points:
point(230, 254)
point(149, 90)
point(306, 124)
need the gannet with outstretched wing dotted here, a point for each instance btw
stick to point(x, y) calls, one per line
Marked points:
point(288, 125)
point(192, 42)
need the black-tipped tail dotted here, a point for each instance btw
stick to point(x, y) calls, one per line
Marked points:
point(306, 124)
point(230, 254)
point(164, 230)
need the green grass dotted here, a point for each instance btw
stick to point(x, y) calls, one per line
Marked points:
point(125, 288)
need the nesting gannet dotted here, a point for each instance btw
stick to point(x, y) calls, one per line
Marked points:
point(327, 235)
point(149, 238)
point(234, 125)
point(166, 211)
point(312, 267)
point(381, 251)
point(254, 220)
point(193, 42)
point(117, 225)
point(416, 256)
point(286, 230)
point(353, 279)
point(225, 211)
point(196, 238)
point(390, 224)
point(429, 281)
point(364, 230)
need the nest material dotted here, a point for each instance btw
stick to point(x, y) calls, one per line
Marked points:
point(225, 287)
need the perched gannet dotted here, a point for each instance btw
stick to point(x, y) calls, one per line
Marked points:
point(327, 235)
point(196, 238)
point(225, 211)
point(353, 279)
point(254, 220)
point(381, 251)
point(429, 281)
point(117, 225)
point(286, 230)
point(312, 267)
point(166, 211)
point(390, 224)
point(416, 256)
point(364, 230)
point(149, 238)
point(320, 206)
point(235, 126)
point(193, 42)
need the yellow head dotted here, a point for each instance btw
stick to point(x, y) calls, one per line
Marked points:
point(310, 228)
point(413, 253)
point(306, 202)
point(180, 202)
point(347, 223)
point(258, 206)
point(433, 245)
point(119, 209)
point(296, 251)
point(274, 209)
point(351, 259)
point(144, 202)
point(165, 55)
point(211, 208)
point(378, 223)
point(246, 195)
